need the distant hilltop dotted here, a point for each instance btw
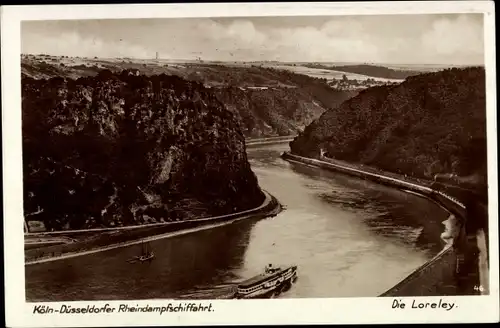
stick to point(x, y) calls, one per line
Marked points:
point(266, 101)
point(320, 64)
point(380, 71)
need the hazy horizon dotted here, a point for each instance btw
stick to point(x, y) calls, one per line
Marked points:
point(184, 60)
point(430, 39)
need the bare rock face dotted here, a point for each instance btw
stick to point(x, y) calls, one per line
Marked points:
point(120, 149)
point(265, 101)
point(279, 111)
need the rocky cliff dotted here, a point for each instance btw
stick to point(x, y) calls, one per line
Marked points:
point(121, 149)
point(431, 123)
point(273, 112)
point(265, 101)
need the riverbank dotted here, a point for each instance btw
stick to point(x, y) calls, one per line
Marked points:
point(251, 142)
point(421, 187)
point(427, 280)
point(96, 240)
point(328, 238)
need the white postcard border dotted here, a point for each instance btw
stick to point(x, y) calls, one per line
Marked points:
point(286, 311)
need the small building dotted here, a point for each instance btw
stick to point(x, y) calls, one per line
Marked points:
point(134, 71)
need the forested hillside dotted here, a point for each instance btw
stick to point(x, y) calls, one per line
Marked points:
point(265, 101)
point(121, 149)
point(431, 123)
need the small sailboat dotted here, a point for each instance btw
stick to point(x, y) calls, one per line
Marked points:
point(146, 254)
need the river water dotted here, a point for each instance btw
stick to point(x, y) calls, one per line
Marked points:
point(349, 238)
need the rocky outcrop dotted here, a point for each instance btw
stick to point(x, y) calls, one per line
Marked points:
point(266, 102)
point(120, 149)
point(274, 111)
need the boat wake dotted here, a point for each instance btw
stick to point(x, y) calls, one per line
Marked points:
point(270, 284)
point(226, 291)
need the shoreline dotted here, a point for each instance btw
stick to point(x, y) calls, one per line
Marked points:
point(423, 188)
point(253, 142)
point(448, 256)
point(269, 207)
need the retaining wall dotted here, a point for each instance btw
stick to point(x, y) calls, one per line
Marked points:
point(108, 236)
point(441, 275)
point(267, 141)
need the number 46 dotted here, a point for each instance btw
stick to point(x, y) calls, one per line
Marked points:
point(479, 288)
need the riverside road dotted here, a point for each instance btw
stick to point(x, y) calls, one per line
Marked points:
point(349, 237)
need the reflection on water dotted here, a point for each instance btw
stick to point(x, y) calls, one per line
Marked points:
point(349, 237)
point(201, 259)
point(353, 237)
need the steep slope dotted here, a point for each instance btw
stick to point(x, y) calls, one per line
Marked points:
point(265, 101)
point(431, 123)
point(283, 102)
point(271, 112)
point(124, 149)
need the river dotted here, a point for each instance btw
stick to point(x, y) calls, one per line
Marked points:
point(349, 238)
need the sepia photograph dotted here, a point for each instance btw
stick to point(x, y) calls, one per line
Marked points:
point(255, 157)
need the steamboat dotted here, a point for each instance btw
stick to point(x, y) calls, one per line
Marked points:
point(269, 284)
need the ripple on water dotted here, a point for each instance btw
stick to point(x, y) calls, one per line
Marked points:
point(348, 237)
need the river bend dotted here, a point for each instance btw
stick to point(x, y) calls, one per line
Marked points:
point(349, 238)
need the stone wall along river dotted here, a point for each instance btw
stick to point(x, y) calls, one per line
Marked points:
point(349, 237)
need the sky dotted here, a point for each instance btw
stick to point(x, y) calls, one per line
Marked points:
point(392, 39)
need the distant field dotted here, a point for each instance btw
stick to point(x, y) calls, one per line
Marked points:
point(208, 71)
point(266, 101)
point(361, 72)
point(328, 73)
point(202, 71)
point(421, 68)
point(402, 67)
